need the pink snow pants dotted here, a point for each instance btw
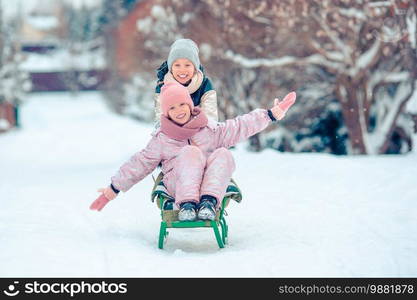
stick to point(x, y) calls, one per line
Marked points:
point(194, 175)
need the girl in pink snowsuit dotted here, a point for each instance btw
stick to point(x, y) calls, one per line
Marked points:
point(192, 149)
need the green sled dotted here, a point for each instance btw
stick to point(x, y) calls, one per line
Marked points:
point(170, 217)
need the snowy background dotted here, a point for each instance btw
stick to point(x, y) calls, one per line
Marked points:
point(303, 215)
point(305, 212)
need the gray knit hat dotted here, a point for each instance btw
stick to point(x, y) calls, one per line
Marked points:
point(184, 48)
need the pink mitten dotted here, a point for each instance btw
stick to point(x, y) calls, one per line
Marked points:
point(288, 101)
point(281, 107)
point(107, 195)
point(99, 203)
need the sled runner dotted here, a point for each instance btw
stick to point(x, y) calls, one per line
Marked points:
point(169, 215)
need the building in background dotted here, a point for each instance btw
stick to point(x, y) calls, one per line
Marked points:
point(42, 29)
point(54, 56)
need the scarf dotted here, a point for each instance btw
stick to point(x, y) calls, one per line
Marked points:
point(198, 120)
point(193, 86)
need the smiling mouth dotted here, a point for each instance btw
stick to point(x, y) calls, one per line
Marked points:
point(180, 116)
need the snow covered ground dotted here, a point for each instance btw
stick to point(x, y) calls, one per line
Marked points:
point(303, 215)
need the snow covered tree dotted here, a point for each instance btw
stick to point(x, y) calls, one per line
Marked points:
point(83, 23)
point(14, 82)
point(368, 47)
point(257, 50)
point(83, 45)
point(240, 88)
point(123, 95)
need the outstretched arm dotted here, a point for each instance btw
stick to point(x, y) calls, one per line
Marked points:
point(233, 131)
point(131, 172)
point(138, 166)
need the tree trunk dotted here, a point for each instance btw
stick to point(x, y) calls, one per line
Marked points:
point(384, 147)
point(347, 93)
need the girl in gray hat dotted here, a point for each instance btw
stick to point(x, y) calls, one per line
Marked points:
point(183, 66)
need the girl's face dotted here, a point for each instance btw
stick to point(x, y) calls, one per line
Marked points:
point(179, 113)
point(183, 70)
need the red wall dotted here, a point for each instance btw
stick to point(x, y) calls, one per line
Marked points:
point(7, 112)
point(127, 39)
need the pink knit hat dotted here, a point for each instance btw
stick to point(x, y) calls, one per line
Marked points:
point(172, 93)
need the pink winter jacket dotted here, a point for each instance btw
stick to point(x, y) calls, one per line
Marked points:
point(163, 149)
